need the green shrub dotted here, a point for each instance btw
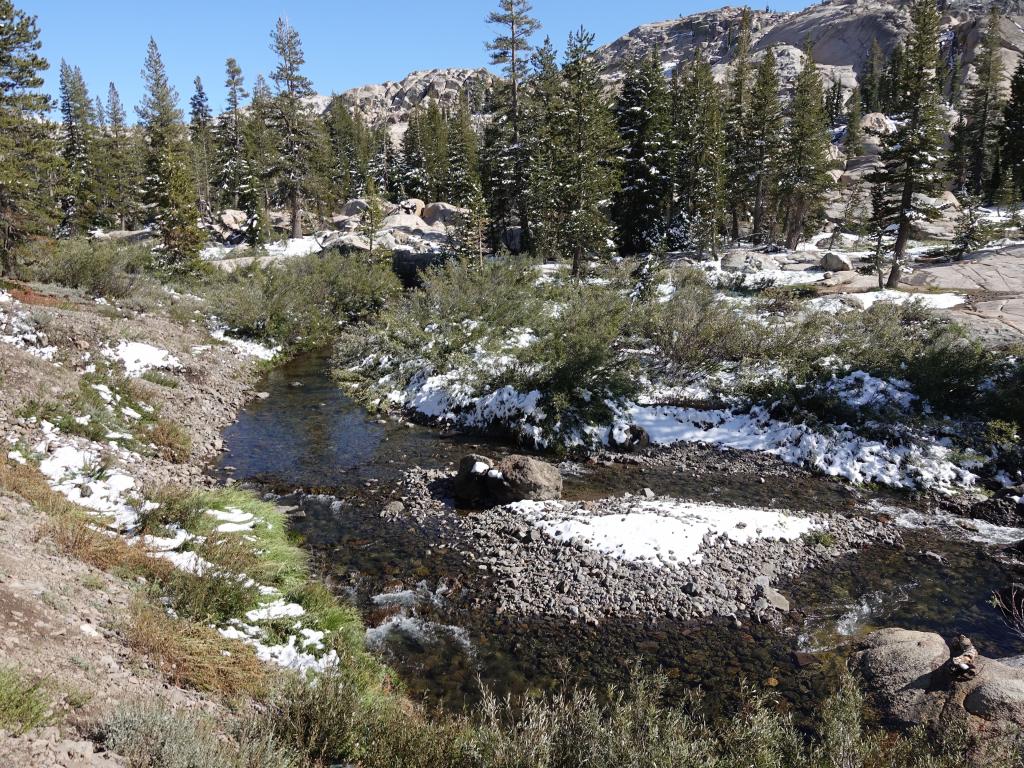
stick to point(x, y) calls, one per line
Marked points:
point(154, 735)
point(100, 268)
point(302, 301)
point(23, 703)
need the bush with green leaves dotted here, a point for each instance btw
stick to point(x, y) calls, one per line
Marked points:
point(101, 268)
point(499, 324)
point(302, 302)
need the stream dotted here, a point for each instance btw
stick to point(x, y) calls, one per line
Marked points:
point(336, 467)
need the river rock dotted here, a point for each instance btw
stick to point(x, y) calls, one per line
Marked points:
point(471, 480)
point(632, 438)
point(524, 478)
point(912, 678)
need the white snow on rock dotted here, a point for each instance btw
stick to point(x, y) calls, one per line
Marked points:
point(664, 533)
point(840, 453)
point(867, 300)
point(137, 357)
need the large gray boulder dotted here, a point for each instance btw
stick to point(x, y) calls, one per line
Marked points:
point(442, 214)
point(482, 482)
point(524, 478)
point(836, 262)
point(916, 678)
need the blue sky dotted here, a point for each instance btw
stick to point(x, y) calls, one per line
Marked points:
point(347, 42)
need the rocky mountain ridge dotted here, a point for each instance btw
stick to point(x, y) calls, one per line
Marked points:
point(841, 31)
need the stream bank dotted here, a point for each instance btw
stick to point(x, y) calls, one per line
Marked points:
point(368, 496)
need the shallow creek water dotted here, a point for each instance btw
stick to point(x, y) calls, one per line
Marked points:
point(338, 464)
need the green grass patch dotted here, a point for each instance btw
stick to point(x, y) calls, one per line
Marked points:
point(24, 703)
point(155, 376)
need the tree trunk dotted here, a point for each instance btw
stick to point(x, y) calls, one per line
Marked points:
point(734, 231)
point(577, 261)
point(795, 225)
point(296, 215)
point(902, 236)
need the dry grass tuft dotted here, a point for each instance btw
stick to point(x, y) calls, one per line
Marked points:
point(196, 656)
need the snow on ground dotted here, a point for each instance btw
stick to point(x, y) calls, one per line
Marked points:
point(860, 389)
point(243, 347)
point(137, 357)
point(18, 330)
point(663, 533)
point(840, 453)
point(281, 249)
point(75, 468)
point(867, 300)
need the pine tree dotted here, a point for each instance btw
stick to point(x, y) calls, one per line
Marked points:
point(435, 146)
point(834, 104)
point(231, 173)
point(505, 155)
point(586, 143)
point(321, 193)
point(737, 184)
point(261, 152)
point(80, 201)
point(805, 178)
point(462, 185)
point(372, 221)
point(295, 126)
point(762, 154)
point(415, 179)
point(893, 85)
point(645, 127)
point(970, 233)
point(201, 135)
point(853, 138)
point(700, 140)
point(350, 141)
point(541, 112)
point(983, 111)
point(1013, 130)
point(911, 155)
point(29, 169)
point(469, 240)
point(120, 172)
point(871, 80)
point(169, 189)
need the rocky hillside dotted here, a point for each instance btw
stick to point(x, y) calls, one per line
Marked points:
point(391, 102)
point(841, 31)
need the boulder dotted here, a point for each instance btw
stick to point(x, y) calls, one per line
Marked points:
point(405, 221)
point(632, 438)
point(512, 237)
point(232, 219)
point(876, 123)
point(915, 678)
point(354, 207)
point(442, 214)
point(471, 480)
point(836, 262)
point(413, 206)
point(524, 478)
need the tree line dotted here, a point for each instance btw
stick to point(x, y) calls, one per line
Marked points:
point(557, 165)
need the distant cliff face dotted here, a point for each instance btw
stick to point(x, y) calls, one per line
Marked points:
point(841, 31)
point(392, 102)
